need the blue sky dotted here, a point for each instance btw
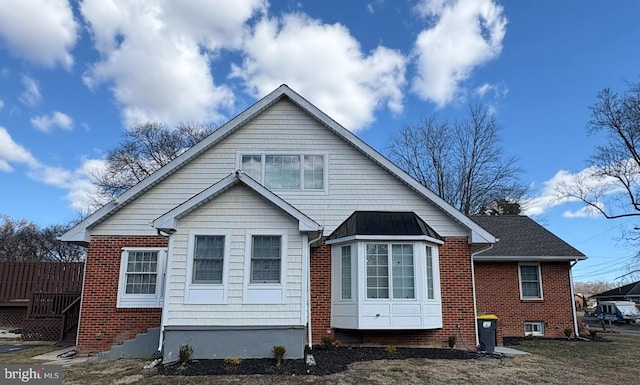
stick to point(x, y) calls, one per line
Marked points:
point(74, 74)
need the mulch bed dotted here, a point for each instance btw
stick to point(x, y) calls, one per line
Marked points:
point(328, 361)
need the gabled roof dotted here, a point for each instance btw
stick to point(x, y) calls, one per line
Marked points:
point(168, 222)
point(79, 233)
point(628, 290)
point(387, 223)
point(522, 238)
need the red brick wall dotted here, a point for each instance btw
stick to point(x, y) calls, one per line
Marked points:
point(102, 325)
point(498, 292)
point(457, 300)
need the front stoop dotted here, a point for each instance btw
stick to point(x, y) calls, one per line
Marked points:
point(144, 345)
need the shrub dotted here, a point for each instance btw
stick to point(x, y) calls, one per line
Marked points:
point(233, 361)
point(391, 349)
point(451, 341)
point(279, 351)
point(328, 342)
point(567, 332)
point(185, 353)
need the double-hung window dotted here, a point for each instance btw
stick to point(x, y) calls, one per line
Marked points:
point(141, 275)
point(294, 172)
point(266, 258)
point(390, 270)
point(530, 281)
point(208, 259)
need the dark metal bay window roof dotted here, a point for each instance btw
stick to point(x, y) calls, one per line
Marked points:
point(388, 223)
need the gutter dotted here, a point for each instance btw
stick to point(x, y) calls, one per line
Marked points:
point(473, 285)
point(573, 301)
point(309, 332)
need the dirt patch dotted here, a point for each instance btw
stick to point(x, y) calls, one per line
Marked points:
point(328, 361)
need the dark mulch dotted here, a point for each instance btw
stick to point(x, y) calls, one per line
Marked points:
point(328, 361)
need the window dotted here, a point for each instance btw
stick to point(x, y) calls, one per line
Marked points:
point(430, 292)
point(286, 171)
point(141, 277)
point(265, 259)
point(208, 259)
point(402, 271)
point(534, 328)
point(530, 282)
point(345, 272)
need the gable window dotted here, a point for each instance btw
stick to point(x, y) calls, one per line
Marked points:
point(141, 272)
point(265, 258)
point(534, 328)
point(208, 259)
point(295, 172)
point(530, 281)
point(402, 283)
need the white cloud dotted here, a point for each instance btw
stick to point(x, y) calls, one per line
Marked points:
point(326, 64)
point(43, 32)
point(464, 35)
point(46, 123)
point(156, 56)
point(548, 197)
point(31, 95)
point(1, 104)
point(12, 152)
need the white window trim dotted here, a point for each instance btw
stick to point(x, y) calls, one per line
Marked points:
point(338, 278)
point(262, 154)
point(538, 333)
point(142, 300)
point(207, 293)
point(416, 286)
point(265, 293)
point(522, 297)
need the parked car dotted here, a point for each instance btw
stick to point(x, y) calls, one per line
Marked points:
point(617, 311)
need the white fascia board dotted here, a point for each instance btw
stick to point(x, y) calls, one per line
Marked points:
point(168, 221)
point(385, 238)
point(496, 258)
point(478, 234)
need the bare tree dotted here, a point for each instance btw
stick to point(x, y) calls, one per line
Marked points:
point(462, 162)
point(144, 149)
point(24, 241)
point(611, 185)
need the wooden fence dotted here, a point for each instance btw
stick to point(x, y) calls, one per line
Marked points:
point(19, 280)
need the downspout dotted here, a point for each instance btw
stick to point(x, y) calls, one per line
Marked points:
point(167, 275)
point(309, 332)
point(473, 285)
point(573, 300)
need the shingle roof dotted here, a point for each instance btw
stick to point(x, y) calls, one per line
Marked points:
point(383, 223)
point(628, 290)
point(521, 236)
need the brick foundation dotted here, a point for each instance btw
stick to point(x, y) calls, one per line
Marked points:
point(456, 291)
point(102, 324)
point(498, 292)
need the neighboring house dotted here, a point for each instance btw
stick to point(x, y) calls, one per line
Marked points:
point(525, 278)
point(279, 228)
point(628, 292)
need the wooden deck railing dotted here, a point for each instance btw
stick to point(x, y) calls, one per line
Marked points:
point(50, 305)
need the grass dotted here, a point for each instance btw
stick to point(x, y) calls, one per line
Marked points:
point(614, 360)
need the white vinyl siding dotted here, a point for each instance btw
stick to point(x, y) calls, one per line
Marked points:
point(353, 180)
point(141, 276)
point(530, 281)
point(241, 213)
